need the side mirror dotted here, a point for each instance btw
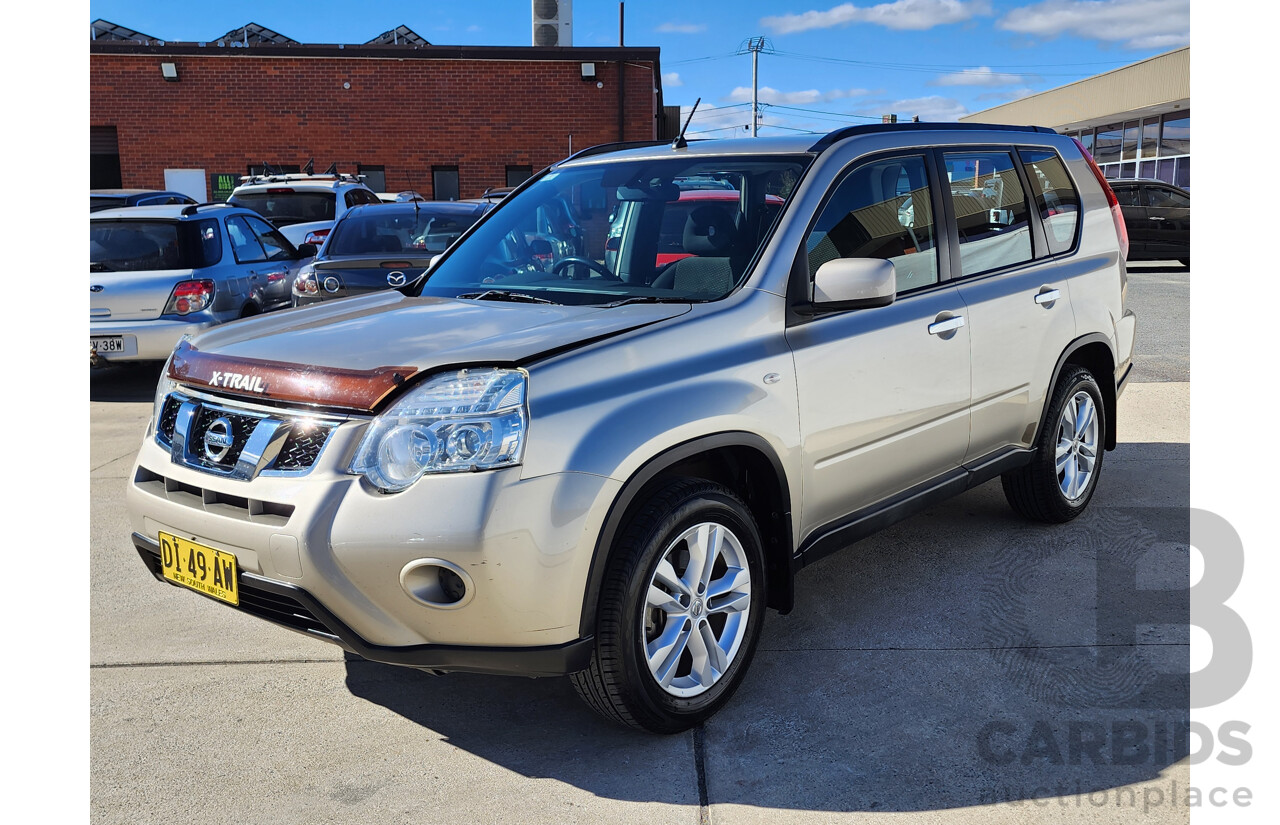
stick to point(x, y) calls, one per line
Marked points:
point(854, 283)
point(307, 250)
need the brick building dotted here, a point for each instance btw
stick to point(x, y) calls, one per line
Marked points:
point(442, 120)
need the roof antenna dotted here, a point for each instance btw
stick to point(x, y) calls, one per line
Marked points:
point(680, 142)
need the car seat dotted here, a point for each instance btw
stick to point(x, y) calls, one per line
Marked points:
point(711, 237)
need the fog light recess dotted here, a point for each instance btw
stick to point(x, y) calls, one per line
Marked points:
point(437, 583)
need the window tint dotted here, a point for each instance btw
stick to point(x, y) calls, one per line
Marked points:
point(1056, 197)
point(358, 197)
point(880, 210)
point(272, 241)
point(139, 245)
point(243, 241)
point(283, 206)
point(1161, 198)
point(991, 211)
point(1126, 195)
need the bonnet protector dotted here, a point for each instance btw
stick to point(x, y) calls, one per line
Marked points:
point(357, 390)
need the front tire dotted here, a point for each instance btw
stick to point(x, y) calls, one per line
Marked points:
point(1059, 482)
point(680, 610)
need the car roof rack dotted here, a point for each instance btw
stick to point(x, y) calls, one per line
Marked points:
point(875, 128)
point(297, 177)
point(192, 208)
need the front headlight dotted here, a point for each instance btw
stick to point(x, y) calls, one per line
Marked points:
point(164, 386)
point(472, 419)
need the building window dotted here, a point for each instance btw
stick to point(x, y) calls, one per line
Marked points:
point(1107, 145)
point(1132, 131)
point(444, 183)
point(517, 175)
point(1086, 140)
point(104, 158)
point(375, 176)
point(1175, 138)
point(1150, 138)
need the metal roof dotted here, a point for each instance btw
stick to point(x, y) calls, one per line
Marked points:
point(399, 36)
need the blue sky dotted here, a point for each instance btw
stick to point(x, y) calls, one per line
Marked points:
point(827, 64)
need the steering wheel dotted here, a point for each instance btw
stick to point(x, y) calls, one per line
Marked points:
point(597, 268)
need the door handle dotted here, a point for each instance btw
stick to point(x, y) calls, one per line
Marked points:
point(1155, 218)
point(1048, 296)
point(946, 325)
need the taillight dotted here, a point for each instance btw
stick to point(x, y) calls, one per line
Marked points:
point(1117, 214)
point(189, 297)
point(305, 283)
point(316, 237)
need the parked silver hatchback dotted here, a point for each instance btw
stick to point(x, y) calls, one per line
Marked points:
point(157, 273)
point(543, 466)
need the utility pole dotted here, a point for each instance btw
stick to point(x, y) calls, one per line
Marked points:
point(755, 45)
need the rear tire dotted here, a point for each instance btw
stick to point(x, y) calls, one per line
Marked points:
point(675, 633)
point(1059, 482)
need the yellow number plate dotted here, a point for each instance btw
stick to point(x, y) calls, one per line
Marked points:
point(209, 571)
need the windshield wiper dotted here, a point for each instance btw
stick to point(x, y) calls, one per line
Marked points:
point(506, 295)
point(651, 299)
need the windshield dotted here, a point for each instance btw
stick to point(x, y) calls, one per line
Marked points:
point(607, 232)
point(134, 246)
point(392, 230)
point(283, 206)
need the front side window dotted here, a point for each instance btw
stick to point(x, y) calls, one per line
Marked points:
point(880, 210)
point(1056, 197)
point(990, 209)
point(1161, 198)
point(594, 234)
point(1126, 195)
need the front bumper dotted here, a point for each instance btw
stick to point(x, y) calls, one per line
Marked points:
point(326, 540)
point(296, 609)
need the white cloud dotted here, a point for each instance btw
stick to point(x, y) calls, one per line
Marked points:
point(900, 14)
point(671, 79)
point(981, 76)
point(682, 28)
point(768, 94)
point(934, 109)
point(1139, 24)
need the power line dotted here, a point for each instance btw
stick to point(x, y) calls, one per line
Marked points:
point(927, 68)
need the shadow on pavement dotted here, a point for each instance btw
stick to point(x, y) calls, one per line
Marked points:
point(1157, 266)
point(134, 381)
point(962, 657)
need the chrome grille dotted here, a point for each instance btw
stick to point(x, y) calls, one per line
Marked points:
point(240, 443)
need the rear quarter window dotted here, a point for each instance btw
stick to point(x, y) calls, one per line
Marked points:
point(1055, 195)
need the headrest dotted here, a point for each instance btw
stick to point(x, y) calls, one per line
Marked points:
point(709, 231)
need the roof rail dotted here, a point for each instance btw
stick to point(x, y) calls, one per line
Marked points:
point(191, 209)
point(603, 148)
point(874, 128)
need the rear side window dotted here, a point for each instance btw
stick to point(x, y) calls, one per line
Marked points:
point(243, 242)
point(1056, 197)
point(880, 210)
point(991, 211)
point(1126, 195)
